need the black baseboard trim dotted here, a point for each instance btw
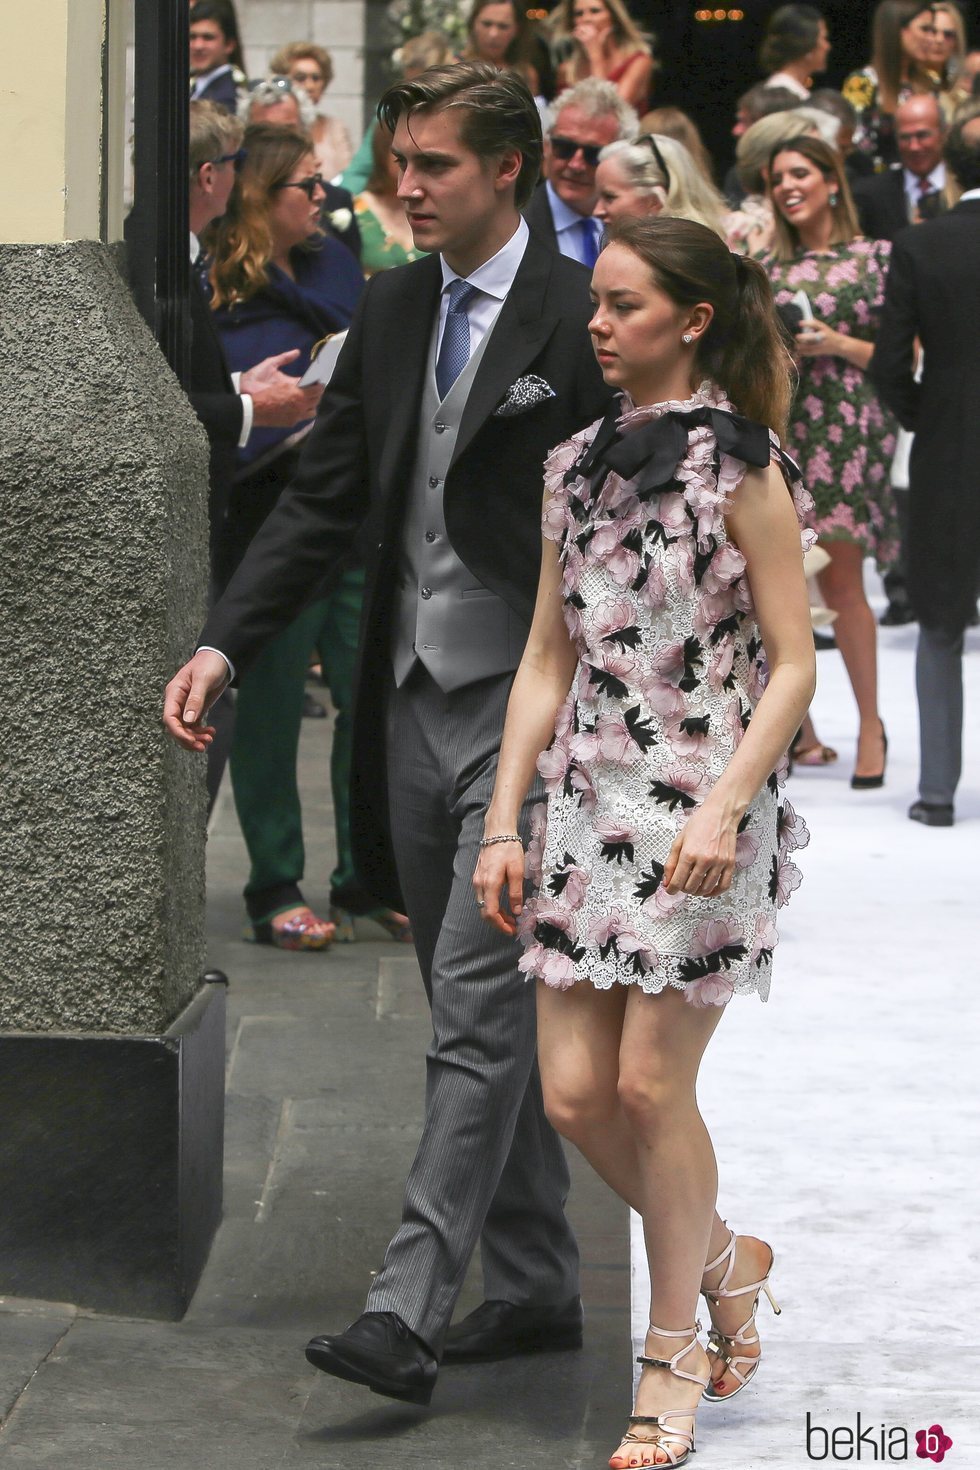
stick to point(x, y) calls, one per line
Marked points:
point(111, 1152)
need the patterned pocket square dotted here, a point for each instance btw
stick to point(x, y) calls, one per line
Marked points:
point(525, 393)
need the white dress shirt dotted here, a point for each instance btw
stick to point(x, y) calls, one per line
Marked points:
point(913, 194)
point(236, 378)
point(493, 280)
point(568, 226)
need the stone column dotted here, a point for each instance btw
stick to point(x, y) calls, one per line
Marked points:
point(111, 1049)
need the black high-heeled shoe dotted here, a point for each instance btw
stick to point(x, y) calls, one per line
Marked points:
point(872, 783)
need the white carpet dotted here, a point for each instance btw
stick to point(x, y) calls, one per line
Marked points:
point(844, 1113)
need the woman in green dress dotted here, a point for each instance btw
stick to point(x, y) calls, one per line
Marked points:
point(386, 236)
point(839, 432)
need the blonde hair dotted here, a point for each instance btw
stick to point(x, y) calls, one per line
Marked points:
point(213, 133)
point(786, 243)
point(431, 48)
point(687, 194)
point(673, 123)
point(955, 64)
point(285, 59)
point(625, 32)
point(241, 242)
point(755, 147)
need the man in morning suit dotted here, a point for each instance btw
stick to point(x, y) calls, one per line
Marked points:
point(933, 294)
point(914, 190)
point(580, 123)
point(227, 407)
point(213, 44)
point(459, 374)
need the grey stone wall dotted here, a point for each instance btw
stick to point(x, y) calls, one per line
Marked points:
point(103, 474)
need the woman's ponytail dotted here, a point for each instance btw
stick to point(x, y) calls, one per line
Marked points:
point(756, 366)
point(743, 350)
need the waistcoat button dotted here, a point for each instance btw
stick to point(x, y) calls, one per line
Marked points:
point(433, 481)
point(439, 428)
point(430, 536)
point(426, 593)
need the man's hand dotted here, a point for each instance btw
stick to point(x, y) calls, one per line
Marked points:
point(278, 402)
point(189, 695)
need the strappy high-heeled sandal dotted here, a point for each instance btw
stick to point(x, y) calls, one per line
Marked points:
point(666, 1437)
point(723, 1344)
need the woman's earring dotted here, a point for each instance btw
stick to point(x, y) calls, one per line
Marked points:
point(832, 201)
point(687, 337)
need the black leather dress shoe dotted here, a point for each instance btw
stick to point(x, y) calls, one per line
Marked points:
point(501, 1330)
point(931, 814)
point(379, 1351)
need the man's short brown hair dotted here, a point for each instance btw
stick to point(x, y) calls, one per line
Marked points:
point(498, 112)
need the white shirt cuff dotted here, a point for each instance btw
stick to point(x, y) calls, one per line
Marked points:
point(247, 416)
point(206, 648)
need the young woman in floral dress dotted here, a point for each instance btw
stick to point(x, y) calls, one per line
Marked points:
point(671, 582)
point(842, 435)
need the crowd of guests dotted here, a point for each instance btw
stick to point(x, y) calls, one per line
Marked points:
point(289, 220)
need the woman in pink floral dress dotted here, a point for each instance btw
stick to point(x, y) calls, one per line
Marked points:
point(668, 666)
point(841, 433)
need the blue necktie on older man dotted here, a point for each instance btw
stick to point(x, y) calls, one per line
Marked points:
point(454, 350)
point(590, 242)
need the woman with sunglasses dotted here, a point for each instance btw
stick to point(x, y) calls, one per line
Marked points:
point(656, 175)
point(902, 46)
point(949, 52)
point(279, 283)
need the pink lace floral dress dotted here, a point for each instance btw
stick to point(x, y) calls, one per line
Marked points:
point(670, 669)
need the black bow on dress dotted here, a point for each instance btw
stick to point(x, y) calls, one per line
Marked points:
point(649, 455)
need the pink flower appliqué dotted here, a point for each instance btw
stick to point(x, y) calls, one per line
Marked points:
point(765, 940)
point(653, 593)
point(725, 567)
point(612, 616)
point(663, 905)
point(552, 765)
point(715, 934)
point(605, 927)
point(792, 830)
point(582, 783)
point(788, 880)
point(709, 990)
point(534, 856)
point(746, 849)
point(628, 942)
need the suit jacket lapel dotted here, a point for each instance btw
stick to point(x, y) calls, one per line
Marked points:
point(520, 332)
point(406, 352)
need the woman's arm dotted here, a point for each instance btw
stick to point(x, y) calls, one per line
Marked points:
point(763, 524)
point(634, 85)
point(540, 685)
point(824, 341)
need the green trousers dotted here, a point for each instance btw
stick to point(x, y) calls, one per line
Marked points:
point(268, 717)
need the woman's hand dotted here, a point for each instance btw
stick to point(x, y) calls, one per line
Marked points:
point(499, 873)
point(702, 859)
point(590, 37)
point(816, 339)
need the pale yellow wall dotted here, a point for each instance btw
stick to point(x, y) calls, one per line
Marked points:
point(51, 120)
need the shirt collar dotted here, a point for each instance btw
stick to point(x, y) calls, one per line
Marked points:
point(496, 275)
point(936, 179)
point(202, 78)
point(970, 194)
point(563, 215)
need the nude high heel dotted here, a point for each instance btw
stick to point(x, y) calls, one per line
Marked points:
point(665, 1436)
point(723, 1344)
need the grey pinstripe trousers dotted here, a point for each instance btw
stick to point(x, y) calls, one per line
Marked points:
point(489, 1167)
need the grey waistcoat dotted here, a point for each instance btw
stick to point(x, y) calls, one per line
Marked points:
point(444, 617)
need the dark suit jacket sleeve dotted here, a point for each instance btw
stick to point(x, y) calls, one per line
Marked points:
point(314, 524)
point(892, 365)
point(539, 218)
point(338, 198)
point(220, 413)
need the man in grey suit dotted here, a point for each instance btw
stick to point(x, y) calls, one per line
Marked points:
point(933, 295)
point(459, 373)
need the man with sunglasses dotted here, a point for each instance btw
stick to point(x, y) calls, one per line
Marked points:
point(580, 123)
point(228, 407)
point(459, 374)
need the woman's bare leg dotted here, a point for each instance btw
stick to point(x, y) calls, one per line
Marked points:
point(842, 585)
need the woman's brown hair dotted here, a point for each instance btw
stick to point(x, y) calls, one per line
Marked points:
point(380, 181)
point(241, 241)
point(743, 350)
point(846, 225)
point(888, 58)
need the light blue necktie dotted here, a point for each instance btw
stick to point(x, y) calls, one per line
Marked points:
point(590, 244)
point(454, 350)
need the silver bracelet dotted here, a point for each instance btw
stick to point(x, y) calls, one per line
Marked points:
point(506, 837)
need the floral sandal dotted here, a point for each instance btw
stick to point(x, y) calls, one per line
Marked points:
point(300, 929)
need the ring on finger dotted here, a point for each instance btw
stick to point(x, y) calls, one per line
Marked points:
point(481, 903)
